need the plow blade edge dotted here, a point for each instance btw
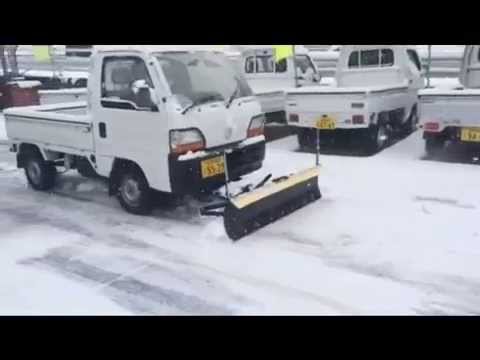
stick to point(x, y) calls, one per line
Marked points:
point(247, 213)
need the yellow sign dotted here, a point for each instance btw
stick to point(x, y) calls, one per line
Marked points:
point(283, 52)
point(213, 167)
point(471, 135)
point(41, 53)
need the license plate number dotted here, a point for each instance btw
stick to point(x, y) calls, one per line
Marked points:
point(470, 134)
point(213, 167)
point(326, 123)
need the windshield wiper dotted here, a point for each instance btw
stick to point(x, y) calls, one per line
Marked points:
point(233, 97)
point(199, 102)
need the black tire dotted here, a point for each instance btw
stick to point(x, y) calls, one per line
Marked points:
point(375, 138)
point(307, 139)
point(41, 175)
point(134, 193)
point(412, 123)
point(434, 147)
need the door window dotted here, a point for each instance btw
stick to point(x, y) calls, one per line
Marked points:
point(126, 84)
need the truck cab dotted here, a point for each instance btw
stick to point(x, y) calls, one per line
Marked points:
point(470, 70)
point(270, 79)
point(263, 73)
point(379, 65)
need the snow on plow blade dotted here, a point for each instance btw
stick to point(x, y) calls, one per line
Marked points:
point(249, 212)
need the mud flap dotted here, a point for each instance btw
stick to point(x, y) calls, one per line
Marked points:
point(249, 212)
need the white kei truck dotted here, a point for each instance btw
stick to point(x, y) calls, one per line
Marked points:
point(270, 79)
point(375, 98)
point(170, 119)
point(450, 116)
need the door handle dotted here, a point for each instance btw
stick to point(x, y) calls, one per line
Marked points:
point(102, 127)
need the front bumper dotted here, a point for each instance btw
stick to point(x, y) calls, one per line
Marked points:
point(186, 175)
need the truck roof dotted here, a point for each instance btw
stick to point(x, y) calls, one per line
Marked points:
point(299, 49)
point(159, 48)
point(366, 47)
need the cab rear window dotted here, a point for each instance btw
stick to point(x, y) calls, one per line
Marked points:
point(371, 58)
point(413, 56)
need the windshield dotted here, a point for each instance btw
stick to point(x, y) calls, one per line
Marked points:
point(304, 64)
point(196, 77)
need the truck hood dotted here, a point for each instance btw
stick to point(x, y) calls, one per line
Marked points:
point(219, 125)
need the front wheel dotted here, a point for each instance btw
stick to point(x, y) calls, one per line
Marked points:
point(134, 193)
point(40, 174)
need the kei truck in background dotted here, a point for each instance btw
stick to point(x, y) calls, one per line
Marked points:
point(375, 98)
point(450, 117)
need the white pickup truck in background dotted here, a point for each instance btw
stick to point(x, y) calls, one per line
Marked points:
point(269, 80)
point(451, 116)
point(375, 98)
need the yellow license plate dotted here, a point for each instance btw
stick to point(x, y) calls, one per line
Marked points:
point(213, 167)
point(470, 134)
point(326, 123)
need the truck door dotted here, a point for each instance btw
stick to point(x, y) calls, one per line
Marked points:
point(129, 122)
point(472, 70)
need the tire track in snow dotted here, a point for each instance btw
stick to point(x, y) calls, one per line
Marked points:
point(141, 296)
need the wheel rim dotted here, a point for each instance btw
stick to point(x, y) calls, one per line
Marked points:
point(382, 136)
point(34, 172)
point(131, 192)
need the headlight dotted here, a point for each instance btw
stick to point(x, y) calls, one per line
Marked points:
point(257, 126)
point(184, 141)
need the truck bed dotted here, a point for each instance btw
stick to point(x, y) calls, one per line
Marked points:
point(335, 90)
point(342, 103)
point(456, 107)
point(58, 127)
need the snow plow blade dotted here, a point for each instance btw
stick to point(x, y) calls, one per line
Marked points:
point(247, 213)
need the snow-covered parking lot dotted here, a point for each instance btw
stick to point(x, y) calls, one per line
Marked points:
point(394, 234)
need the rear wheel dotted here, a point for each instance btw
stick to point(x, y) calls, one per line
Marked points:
point(377, 138)
point(412, 123)
point(134, 193)
point(307, 139)
point(434, 147)
point(304, 139)
point(40, 174)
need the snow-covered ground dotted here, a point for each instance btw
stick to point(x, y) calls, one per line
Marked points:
point(394, 234)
